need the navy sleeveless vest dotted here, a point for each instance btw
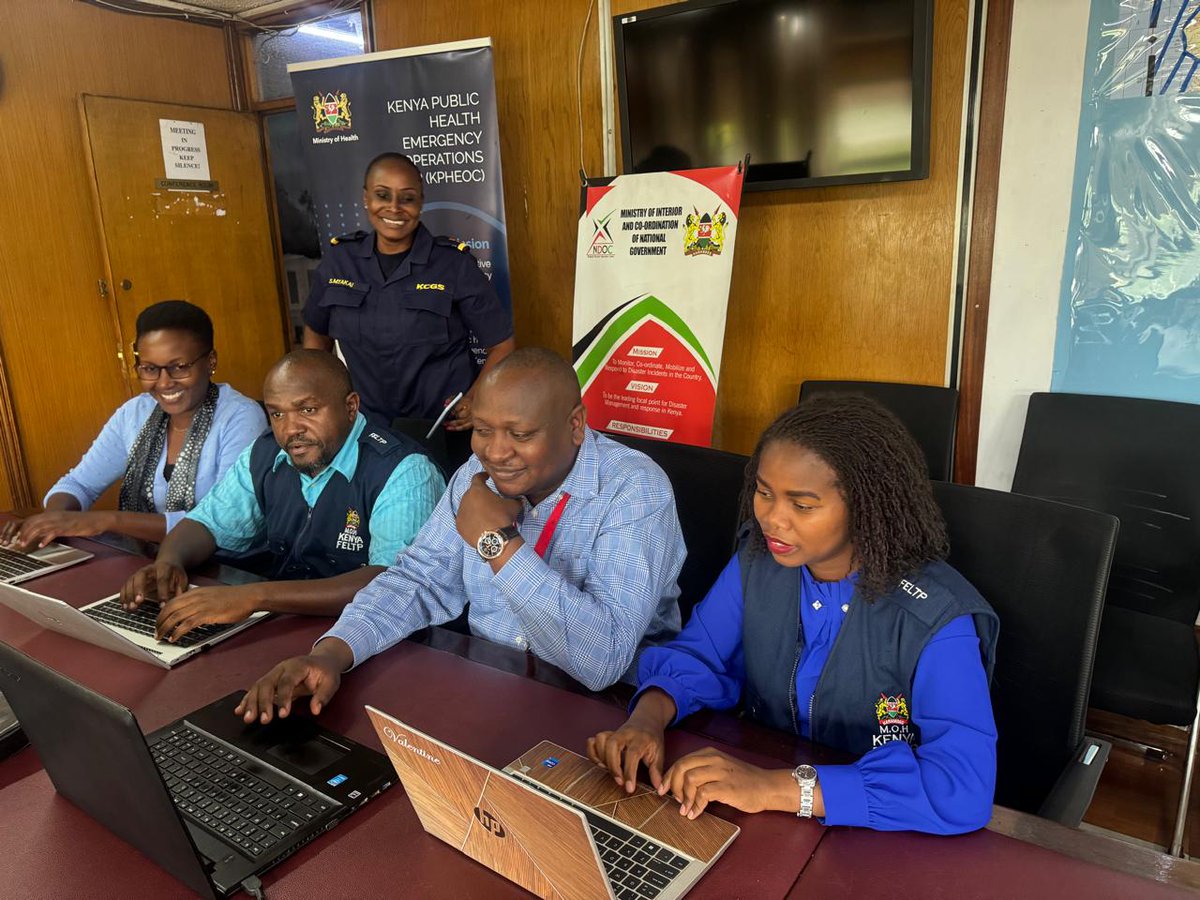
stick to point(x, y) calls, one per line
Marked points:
point(333, 536)
point(863, 698)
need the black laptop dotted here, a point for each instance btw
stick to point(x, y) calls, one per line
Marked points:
point(211, 800)
point(12, 738)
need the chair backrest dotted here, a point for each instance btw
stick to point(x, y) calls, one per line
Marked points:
point(929, 413)
point(1043, 567)
point(708, 487)
point(1136, 459)
point(448, 450)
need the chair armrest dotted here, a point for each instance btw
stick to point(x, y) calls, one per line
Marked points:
point(1071, 795)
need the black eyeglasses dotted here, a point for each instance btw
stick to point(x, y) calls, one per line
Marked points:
point(150, 372)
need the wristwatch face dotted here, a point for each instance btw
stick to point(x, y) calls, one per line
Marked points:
point(490, 544)
point(805, 774)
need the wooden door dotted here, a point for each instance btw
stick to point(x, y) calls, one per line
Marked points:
point(14, 485)
point(212, 247)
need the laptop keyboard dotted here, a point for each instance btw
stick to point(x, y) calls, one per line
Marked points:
point(14, 563)
point(637, 868)
point(142, 620)
point(231, 794)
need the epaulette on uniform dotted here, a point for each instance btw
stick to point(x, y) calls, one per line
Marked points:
point(348, 238)
point(443, 240)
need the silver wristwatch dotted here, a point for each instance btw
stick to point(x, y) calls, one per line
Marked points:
point(492, 543)
point(806, 778)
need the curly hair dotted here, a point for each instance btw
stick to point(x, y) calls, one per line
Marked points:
point(895, 524)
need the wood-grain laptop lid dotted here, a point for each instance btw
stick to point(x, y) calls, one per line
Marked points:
point(533, 840)
point(702, 838)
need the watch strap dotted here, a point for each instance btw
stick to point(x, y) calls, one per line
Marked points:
point(806, 780)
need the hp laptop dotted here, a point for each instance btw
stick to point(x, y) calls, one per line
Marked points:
point(107, 624)
point(211, 800)
point(17, 565)
point(552, 821)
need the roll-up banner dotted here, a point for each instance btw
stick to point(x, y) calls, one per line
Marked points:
point(653, 262)
point(436, 104)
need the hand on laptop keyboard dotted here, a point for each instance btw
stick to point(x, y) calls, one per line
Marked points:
point(41, 528)
point(220, 605)
point(642, 739)
point(160, 581)
point(710, 776)
point(10, 533)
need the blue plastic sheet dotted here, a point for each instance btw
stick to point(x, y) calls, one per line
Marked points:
point(1129, 322)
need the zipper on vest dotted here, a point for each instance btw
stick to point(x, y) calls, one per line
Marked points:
point(303, 528)
point(792, 693)
point(792, 698)
point(812, 701)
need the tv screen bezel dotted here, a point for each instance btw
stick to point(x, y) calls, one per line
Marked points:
point(922, 82)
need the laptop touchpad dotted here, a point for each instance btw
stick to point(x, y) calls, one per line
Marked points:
point(309, 756)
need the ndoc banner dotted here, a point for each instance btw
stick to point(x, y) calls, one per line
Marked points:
point(653, 263)
point(436, 104)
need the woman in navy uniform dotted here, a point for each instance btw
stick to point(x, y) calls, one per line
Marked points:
point(402, 304)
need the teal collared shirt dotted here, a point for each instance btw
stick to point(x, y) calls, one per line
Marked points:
point(232, 514)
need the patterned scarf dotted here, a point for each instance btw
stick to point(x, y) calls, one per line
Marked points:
point(137, 490)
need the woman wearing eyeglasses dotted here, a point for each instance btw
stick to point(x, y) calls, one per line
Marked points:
point(166, 446)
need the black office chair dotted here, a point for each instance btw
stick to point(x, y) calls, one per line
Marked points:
point(1135, 459)
point(1043, 567)
point(708, 488)
point(929, 413)
point(449, 449)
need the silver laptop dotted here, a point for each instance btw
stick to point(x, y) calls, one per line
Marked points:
point(18, 565)
point(107, 624)
point(553, 821)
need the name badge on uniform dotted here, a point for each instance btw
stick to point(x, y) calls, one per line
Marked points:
point(350, 539)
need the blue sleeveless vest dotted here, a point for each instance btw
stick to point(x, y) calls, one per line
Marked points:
point(333, 536)
point(863, 698)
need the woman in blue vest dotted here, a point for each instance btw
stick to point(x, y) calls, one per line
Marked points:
point(167, 446)
point(837, 620)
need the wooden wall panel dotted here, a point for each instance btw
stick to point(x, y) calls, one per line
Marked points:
point(58, 335)
point(850, 282)
point(844, 282)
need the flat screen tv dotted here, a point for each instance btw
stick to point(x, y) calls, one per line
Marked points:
point(817, 92)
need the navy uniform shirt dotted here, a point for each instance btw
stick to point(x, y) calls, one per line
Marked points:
point(405, 339)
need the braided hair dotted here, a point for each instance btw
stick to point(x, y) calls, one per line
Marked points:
point(881, 474)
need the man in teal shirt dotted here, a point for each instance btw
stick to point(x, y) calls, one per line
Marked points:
point(333, 498)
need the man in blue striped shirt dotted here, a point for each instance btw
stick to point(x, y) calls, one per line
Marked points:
point(333, 499)
point(564, 543)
